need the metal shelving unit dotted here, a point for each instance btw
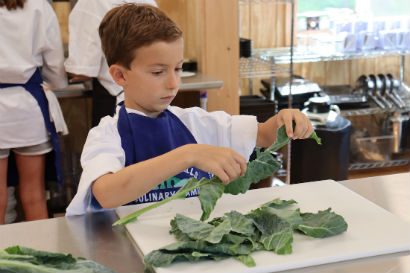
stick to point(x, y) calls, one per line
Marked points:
point(282, 56)
point(375, 165)
point(255, 67)
point(270, 62)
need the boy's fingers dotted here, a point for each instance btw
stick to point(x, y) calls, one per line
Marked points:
point(301, 127)
point(288, 121)
point(241, 161)
point(223, 176)
point(233, 171)
point(243, 166)
point(309, 131)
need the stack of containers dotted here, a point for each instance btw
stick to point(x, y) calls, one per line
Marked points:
point(342, 31)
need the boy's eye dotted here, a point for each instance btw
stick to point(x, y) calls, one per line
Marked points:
point(157, 73)
point(178, 69)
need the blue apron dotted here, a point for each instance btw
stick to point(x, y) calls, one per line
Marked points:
point(143, 138)
point(33, 86)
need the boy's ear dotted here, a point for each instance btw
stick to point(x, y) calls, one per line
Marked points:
point(118, 74)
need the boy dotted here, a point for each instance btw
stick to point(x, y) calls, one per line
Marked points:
point(129, 158)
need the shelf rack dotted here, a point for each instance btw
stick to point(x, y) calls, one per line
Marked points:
point(282, 56)
point(266, 61)
point(255, 67)
point(375, 165)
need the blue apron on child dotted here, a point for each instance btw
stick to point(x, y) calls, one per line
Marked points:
point(33, 86)
point(143, 138)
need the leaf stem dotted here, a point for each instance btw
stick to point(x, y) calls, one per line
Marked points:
point(178, 195)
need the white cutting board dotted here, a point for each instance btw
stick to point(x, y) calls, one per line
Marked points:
point(372, 230)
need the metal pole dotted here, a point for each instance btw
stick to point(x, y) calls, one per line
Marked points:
point(290, 83)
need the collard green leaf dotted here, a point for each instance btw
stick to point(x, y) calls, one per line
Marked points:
point(205, 247)
point(234, 239)
point(194, 229)
point(281, 140)
point(178, 234)
point(191, 184)
point(263, 166)
point(246, 260)
point(276, 234)
point(208, 195)
point(240, 223)
point(159, 258)
point(219, 231)
point(323, 224)
point(316, 138)
point(19, 259)
point(292, 216)
point(58, 260)
point(187, 229)
point(279, 203)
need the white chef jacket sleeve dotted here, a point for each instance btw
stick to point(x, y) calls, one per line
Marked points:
point(53, 54)
point(102, 154)
point(84, 47)
point(237, 132)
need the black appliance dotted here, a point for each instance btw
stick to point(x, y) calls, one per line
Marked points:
point(313, 162)
point(342, 96)
point(257, 106)
point(278, 89)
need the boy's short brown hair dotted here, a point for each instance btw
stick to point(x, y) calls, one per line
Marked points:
point(128, 27)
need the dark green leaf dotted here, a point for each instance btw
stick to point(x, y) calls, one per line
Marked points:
point(219, 231)
point(323, 224)
point(205, 247)
point(246, 260)
point(59, 260)
point(18, 259)
point(293, 217)
point(240, 223)
point(194, 229)
point(276, 234)
point(208, 195)
point(279, 203)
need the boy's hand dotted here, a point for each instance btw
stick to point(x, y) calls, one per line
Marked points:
point(267, 130)
point(223, 162)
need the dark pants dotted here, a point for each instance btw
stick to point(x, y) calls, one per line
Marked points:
point(103, 103)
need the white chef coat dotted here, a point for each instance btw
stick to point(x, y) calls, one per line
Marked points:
point(84, 47)
point(30, 38)
point(103, 152)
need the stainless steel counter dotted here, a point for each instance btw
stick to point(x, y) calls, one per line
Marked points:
point(196, 82)
point(92, 237)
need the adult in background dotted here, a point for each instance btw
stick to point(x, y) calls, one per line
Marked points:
point(30, 51)
point(86, 60)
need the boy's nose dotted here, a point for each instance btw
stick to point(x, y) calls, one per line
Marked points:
point(173, 80)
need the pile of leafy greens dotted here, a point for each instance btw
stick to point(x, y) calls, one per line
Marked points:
point(235, 235)
point(212, 189)
point(18, 259)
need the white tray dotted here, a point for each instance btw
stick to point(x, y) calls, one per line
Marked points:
point(372, 230)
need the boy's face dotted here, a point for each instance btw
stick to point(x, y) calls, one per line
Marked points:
point(153, 79)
